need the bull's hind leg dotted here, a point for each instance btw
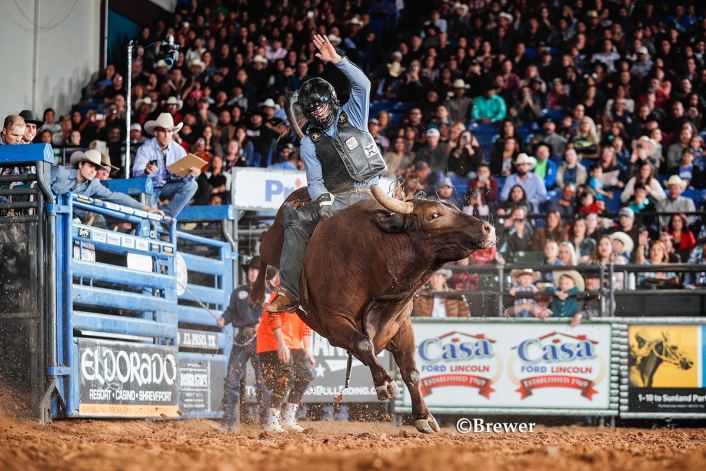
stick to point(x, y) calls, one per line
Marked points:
point(343, 334)
point(404, 356)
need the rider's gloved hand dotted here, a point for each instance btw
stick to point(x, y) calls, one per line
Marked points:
point(325, 205)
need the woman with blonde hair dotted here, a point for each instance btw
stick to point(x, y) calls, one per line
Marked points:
point(587, 139)
point(567, 254)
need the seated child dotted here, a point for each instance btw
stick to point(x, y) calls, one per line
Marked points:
point(564, 302)
point(523, 283)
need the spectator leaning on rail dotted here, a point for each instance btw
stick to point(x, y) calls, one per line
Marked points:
point(153, 158)
point(81, 180)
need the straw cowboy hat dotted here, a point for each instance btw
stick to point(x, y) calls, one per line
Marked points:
point(333, 39)
point(626, 240)
point(445, 272)
point(164, 121)
point(459, 83)
point(573, 274)
point(269, 103)
point(172, 100)
point(518, 272)
point(675, 180)
point(105, 160)
point(523, 158)
point(395, 69)
point(197, 63)
point(650, 143)
point(145, 101)
point(91, 155)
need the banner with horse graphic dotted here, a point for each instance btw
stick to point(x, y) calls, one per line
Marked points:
point(666, 369)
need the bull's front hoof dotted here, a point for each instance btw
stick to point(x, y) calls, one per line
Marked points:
point(383, 393)
point(427, 425)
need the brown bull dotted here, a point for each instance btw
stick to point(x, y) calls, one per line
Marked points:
point(363, 267)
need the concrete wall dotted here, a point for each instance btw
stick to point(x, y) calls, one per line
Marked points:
point(68, 53)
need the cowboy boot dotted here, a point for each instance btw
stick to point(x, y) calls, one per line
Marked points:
point(282, 303)
point(272, 424)
point(289, 418)
point(231, 417)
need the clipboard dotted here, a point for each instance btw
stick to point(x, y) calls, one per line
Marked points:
point(181, 167)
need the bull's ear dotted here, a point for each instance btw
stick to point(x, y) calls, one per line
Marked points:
point(391, 222)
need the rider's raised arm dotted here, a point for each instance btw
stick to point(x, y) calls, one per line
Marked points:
point(312, 165)
point(358, 105)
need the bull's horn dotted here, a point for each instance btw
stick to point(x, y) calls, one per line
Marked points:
point(396, 206)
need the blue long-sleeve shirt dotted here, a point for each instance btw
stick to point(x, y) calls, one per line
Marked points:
point(357, 109)
point(150, 151)
point(534, 188)
point(65, 179)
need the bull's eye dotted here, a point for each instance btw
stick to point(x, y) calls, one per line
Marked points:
point(434, 215)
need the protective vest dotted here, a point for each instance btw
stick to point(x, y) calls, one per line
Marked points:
point(355, 148)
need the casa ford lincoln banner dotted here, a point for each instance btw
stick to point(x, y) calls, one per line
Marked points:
point(120, 379)
point(528, 365)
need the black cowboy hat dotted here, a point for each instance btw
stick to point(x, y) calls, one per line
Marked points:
point(29, 117)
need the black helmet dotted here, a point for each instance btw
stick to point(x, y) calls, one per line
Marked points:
point(314, 93)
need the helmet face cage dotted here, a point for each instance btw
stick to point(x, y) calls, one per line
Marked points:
point(314, 93)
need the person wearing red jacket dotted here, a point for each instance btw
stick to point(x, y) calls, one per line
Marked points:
point(283, 342)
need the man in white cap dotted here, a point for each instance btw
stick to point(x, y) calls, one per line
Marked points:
point(434, 152)
point(153, 158)
point(675, 202)
point(81, 179)
point(531, 182)
point(459, 105)
point(643, 65)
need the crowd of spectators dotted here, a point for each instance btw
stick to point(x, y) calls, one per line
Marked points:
point(588, 112)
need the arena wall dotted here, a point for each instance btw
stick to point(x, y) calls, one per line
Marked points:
point(66, 50)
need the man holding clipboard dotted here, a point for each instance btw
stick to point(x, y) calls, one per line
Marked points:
point(172, 171)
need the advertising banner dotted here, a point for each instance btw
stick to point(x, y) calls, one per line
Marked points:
point(200, 385)
point(519, 365)
point(666, 369)
point(120, 379)
point(262, 189)
point(330, 375)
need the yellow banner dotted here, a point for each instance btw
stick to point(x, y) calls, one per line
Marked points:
point(663, 356)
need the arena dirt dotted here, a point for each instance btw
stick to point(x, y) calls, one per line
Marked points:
point(197, 444)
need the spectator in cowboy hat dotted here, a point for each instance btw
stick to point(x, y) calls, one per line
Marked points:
point(81, 179)
point(458, 104)
point(532, 183)
point(429, 304)
point(153, 158)
point(675, 202)
point(32, 124)
point(622, 244)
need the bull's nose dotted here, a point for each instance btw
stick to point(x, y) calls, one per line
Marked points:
point(487, 228)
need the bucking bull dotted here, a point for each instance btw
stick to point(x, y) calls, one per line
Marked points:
point(362, 269)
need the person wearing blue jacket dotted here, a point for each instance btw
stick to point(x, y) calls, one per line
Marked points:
point(341, 159)
point(81, 179)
